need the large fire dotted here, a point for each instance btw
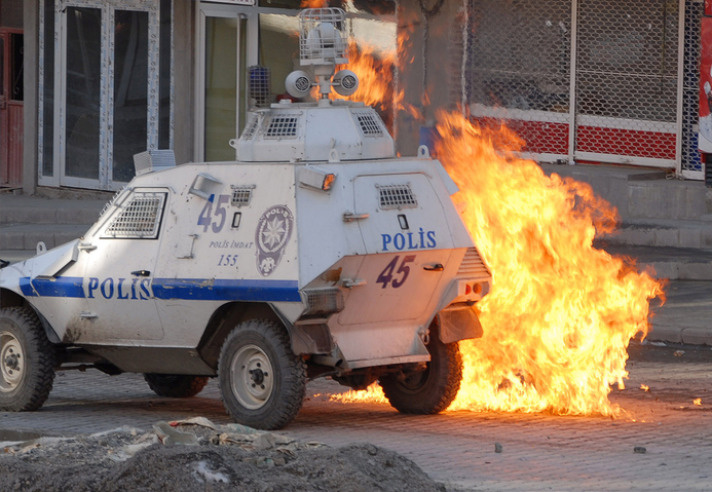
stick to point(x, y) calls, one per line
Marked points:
point(560, 314)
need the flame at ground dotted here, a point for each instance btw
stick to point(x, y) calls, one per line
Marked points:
point(561, 313)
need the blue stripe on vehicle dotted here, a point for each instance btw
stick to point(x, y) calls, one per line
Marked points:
point(197, 289)
point(203, 289)
point(26, 287)
point(52, 286)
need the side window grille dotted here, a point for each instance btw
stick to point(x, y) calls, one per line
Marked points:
point(369, 125)
point(397, 196)
point(250, 129)
point(241, 195)
point(282, 126)
point(139, 219)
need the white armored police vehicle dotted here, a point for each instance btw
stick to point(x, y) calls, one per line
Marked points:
point(317, 253)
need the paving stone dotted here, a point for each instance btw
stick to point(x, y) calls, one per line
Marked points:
point(540, 451)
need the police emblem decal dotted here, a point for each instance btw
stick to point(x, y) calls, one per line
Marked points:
point(274, 229)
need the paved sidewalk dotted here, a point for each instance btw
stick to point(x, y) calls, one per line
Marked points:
point(539, 452)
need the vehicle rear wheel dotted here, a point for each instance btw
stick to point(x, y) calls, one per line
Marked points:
point(27, 360)
point(175, 385)
point(261, 380)
point(427, 391)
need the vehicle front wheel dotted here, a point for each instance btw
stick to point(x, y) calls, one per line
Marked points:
point(261, 380)
point(27, 360)
point(430, 390)
point(175, 385)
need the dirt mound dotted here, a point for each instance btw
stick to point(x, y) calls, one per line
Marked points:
point(190, 455)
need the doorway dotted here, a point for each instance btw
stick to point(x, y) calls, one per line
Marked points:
point(105, 89)
point(243, 55)
point(11, 102)
point(221, 93)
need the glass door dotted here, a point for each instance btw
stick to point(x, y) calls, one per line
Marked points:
point(108, 105)
point(227, 45)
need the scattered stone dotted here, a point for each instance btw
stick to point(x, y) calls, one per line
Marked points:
point(639, 450)
point(497, 447)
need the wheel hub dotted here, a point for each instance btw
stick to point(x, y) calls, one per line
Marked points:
point(258, 376)
point(251, 375)
point(11, 362)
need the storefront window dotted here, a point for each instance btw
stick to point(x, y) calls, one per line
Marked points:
point(105, 93)
point(130, 90)
point(16, 67)
point(83, 92)
point(46, 132)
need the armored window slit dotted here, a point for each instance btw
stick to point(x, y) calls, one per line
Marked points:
point(396, 196)
point(369, 125)
point(140, 218)
point(241, 195)
point(282, 127)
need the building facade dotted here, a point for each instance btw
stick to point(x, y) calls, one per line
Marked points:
point(111, 78)
point(581, 80)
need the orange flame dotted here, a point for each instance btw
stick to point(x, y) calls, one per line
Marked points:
point(375, 72)
point(313, 4)
point(561, 313)
point(697, 402)
point(373, 393)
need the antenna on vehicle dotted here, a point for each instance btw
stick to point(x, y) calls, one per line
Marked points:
point(322, 46)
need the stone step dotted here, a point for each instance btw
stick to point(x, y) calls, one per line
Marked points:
point(639, 193)
point(667, 262)
point(38, 210)
point(696, 234)
point(26, 236)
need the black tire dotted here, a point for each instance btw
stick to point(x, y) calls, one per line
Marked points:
point(27, 361)
point(432, 390)
point(175, 385)
point(262, 381)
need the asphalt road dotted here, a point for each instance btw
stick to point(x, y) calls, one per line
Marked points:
point(663, 443)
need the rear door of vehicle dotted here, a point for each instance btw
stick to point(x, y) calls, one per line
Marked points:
point(408, 241)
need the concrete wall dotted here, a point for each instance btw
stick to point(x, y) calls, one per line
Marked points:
point(11, 13)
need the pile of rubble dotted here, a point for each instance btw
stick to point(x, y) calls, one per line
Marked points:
point(197, 454)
